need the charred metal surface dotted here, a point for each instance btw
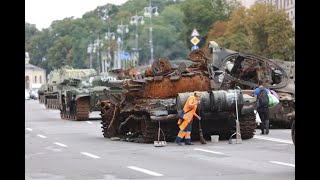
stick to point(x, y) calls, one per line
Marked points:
point(161, 67)
point(247, 71)
point(133, 106)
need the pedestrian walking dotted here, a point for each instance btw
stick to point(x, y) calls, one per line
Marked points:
point(261, 96)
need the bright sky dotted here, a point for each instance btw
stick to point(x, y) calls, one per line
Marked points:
point(43, 12)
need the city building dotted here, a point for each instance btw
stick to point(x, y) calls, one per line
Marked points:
point(34, 75)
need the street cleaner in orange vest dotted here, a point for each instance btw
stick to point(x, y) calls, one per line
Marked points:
point(185, 124)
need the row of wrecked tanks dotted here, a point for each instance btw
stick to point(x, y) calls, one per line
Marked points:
point(134, 103)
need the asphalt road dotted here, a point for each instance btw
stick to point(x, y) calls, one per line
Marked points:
point(57, 149)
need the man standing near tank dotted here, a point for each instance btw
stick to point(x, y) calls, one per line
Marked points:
point(185, 124)
point(263, 109)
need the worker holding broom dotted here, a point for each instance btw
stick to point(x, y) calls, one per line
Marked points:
point(185, 123)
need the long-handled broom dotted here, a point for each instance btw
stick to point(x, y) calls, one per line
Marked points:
point(202, 140)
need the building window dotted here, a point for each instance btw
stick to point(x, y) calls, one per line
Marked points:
point(40, 80)
point(35, 79)
point(291, 2)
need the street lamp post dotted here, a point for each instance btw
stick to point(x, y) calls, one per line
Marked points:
point(121, 29)
point(148, 11)
point(90, 50)
point(135, 20)
point(98, 44)
point(109, 36)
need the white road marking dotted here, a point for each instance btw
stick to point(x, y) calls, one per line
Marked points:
point(282, 163)
point(145, 171)
point(89, 122)
point(42, 136)
point(28, 129)
point(273, 139)
point(60, 144)
point(214, 152)
point(90, 155)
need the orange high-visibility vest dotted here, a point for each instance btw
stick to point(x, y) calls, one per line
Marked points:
point(188, 117)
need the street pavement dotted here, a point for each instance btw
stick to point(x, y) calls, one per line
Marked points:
point(57, 149)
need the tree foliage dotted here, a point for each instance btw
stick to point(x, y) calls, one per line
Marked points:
point(260, 29)
point(200, 14)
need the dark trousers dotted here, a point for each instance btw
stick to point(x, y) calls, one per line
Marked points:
point(264, 116)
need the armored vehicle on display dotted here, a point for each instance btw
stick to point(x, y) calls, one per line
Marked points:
point(135, 106)
point(61, 80)
point(283, 114)
point(41, 92)
point(79, 102)
point(247, 70)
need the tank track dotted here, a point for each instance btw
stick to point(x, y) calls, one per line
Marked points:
point(149, 131)
point(81, 112)
point(106, 118)
point(41, 99)
point(82, 109)
point(247, 125)
point(52, 103)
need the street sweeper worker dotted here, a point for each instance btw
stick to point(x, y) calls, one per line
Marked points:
point(190, 108)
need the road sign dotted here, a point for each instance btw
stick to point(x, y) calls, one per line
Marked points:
point(195, 40)
point(195, 32)
point(194, 47)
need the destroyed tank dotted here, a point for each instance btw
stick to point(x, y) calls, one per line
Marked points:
point(246, 70)
point(41, 93)
point(65, 78)
point(135, 106)
point(79, 102)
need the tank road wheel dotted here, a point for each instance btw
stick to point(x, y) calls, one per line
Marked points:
point(82, 109)
point(293, 132)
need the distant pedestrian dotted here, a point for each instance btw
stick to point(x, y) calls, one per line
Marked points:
point(185, 124)
point(261, 96)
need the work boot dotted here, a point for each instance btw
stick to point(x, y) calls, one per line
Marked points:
point(178, 141)
point(188, 143)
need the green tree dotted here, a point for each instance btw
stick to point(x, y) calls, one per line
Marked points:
point(30, 30)
point(262, 30)
point(236, 36)
point(200, 14)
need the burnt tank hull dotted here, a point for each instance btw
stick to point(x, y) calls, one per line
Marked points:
point(246, 70)
point(134, 107)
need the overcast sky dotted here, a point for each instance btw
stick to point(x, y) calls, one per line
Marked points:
point(43, 12)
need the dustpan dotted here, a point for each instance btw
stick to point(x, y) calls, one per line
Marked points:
point(159, 143)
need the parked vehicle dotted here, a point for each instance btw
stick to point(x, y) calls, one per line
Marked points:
point(27, 95)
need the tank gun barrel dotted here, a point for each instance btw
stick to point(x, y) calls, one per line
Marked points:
point(115, 83)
